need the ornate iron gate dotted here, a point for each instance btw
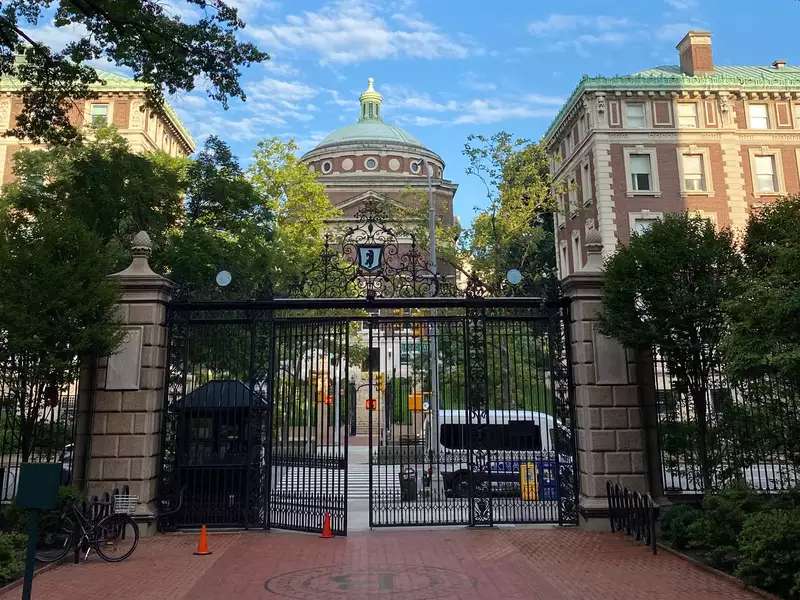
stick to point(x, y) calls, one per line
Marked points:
point(472, 421)
point(470, 415)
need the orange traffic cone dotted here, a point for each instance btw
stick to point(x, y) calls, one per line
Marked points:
point(202, 544)
point(327, 532)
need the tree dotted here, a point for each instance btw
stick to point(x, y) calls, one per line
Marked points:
point(160, 49)
point(226, 223)
point(515, 230)
point(665, 291)
point(56, 304)
point(101, 183)
point(764, 333)
point(301, 208)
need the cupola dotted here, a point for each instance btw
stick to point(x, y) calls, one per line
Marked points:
point(370, 103)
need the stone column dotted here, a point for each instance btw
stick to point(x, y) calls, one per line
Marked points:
point(129, 389)
point(609, 421)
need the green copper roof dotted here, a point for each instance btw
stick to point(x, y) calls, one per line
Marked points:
point(670, 78)
point(370, 126)
point(370, 131)
point(111, 82)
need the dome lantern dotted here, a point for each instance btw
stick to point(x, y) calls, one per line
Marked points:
point(370, 103)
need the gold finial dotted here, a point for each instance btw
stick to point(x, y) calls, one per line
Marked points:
point(370, 103)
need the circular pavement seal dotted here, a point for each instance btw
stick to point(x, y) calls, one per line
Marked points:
point(409, 582)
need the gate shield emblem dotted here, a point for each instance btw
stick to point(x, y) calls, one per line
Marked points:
point(370, 257)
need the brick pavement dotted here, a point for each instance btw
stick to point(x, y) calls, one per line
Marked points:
point(445, 564)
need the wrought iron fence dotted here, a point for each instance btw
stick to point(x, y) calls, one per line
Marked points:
point(633, 513)
point(37, 419)
point(714, 434)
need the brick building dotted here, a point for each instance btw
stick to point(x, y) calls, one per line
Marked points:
point(719, 141)
point(119, 102)
point(371, 159)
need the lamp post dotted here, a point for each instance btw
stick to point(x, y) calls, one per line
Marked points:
point(433, 265)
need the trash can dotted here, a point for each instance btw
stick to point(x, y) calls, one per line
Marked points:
point(408, 484)
point(548, 480)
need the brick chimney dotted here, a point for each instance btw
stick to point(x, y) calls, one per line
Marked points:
point(695, 52)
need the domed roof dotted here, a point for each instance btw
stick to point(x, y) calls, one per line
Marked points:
point(368, 131)
point(370, 126)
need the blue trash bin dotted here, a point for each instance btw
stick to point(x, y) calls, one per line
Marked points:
point(548, 479)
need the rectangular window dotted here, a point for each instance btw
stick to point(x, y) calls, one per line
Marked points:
point(687, 115)
point(586, 183)
point(797, 116)
point(634, 115)
point(694, 177)
point(577, 257)
point(759, 118)
point(99, 115)
point(641, 175)
point(766, 182)
point(573, 197)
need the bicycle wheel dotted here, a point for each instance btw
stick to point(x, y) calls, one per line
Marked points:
point(56, 537)
point(116, 537)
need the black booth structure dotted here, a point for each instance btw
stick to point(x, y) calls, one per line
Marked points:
point(220, 454)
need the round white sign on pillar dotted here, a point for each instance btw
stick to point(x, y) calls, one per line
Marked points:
point(223, 278)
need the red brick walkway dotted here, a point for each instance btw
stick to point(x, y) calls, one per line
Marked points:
point(508, 564)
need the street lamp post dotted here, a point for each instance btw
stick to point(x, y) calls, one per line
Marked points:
point(434, 437)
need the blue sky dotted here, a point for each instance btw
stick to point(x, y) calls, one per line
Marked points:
point(449, 68)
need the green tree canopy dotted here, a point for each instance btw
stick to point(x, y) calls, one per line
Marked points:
point(666, 290)
point(765, 318)
point(56, 304)
point(300, 205)
point(515, 229)
point(161, 49)
point(100, 182)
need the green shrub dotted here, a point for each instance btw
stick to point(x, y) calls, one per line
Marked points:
point(769, 550)
point(676, 522)
point(12, 556)
point(716, 533)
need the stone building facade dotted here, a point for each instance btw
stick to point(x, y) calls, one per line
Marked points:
point(120, 102)
point(719, 141)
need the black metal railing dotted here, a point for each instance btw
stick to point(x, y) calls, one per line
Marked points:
point(37, 419)
point(717, 434)
point(632, 513)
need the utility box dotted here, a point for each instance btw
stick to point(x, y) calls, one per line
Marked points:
point(38, 485)
point(528, 482)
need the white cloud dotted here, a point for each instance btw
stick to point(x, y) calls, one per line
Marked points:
point(409, 107)
point(350, 31)
point(681, 4)
point(558, 23)
point(56, 38)
point(580, 33)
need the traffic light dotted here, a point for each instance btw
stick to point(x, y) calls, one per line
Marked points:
point(379, 382)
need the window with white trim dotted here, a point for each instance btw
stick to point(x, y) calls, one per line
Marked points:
point(98, 115)
point(765, 176)
point(635, 115)
point(797, 116)
point(641, 173)
point(573, 197)
point(759, 116)
point(577, 255)
point(586, 183)
point(564, 259)
point(694, 175)
point(687, 115)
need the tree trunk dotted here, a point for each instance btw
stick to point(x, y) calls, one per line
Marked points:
point(701, 415)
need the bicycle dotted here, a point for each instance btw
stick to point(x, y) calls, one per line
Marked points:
point(113, 536)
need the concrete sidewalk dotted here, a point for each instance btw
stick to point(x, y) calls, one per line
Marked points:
point(501, 563)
